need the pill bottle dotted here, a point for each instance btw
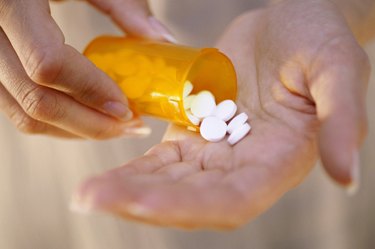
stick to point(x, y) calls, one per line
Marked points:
point(152, 74)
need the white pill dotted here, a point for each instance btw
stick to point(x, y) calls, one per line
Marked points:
point(213, 129)
point(226, 110)
point(203, 104)
point(188, 87)
point(237, 121)
point(188, 100)
point(191, 128)
point(239, 133)
point(193, 119)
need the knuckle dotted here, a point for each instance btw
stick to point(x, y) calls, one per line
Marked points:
point(337, 49)
point(109, 131)
point(342, 51)
point(42, 105)
point(364, 60)
point(4, 8)
point(87, 93)
point(43, 65)
point(27, 125)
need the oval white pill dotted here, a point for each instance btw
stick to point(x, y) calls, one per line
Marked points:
point(237, 121)
point(188, 100)
point(226, 110)
point(203, 104)
point(188, 87)
point(213, 129)
point(193, 119)
point(239, 133)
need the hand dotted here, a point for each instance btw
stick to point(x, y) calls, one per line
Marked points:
point(302, 80)
point(47, 87)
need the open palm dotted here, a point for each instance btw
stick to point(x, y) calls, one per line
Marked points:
point(297, 87)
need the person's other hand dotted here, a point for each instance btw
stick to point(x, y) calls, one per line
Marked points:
point(302, 80)
point(47, 87)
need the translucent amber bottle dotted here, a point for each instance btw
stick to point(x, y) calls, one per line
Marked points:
point(152, 74)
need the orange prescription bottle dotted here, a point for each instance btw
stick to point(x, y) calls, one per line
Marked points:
point(152, 74)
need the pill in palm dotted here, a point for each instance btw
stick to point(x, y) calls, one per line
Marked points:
point(213, 129)
point(239, 133)
point(188, 88)
point(226, 110)
point(203, 104)
point(237, 121)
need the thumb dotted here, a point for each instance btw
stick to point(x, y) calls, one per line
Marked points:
point(135, 17)
point(339, 78)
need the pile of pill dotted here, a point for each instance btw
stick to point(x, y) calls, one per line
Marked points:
point(134, 72)
point(215, 121)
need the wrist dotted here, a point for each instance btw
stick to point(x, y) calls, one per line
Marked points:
point(358, 14)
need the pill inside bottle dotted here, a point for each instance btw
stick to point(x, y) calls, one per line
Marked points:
point(153, 75)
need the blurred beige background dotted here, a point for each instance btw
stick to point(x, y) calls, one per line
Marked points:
point(38, 174)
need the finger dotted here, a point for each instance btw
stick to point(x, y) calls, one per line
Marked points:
point(168, 203)
point(49, 106)
point(210, 199)
point(154, 160)
point(338, 85)
point(23, 122)
point(40, 46)
point(135, 17)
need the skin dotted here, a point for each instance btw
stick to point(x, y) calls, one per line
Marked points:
point(47, 87)
point(302, 76)
point(303, 80)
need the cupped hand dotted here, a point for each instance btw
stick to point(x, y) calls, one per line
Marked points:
point(47, 87)
point(302, 80)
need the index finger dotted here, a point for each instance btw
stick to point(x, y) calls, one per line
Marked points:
point(40, 46)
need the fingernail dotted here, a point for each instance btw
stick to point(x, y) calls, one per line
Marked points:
point(80, 207)
point(137, 210)
point(170, 38)
point(118, 109)
point(352, 189)
point(137, 131)
point(162, 30)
